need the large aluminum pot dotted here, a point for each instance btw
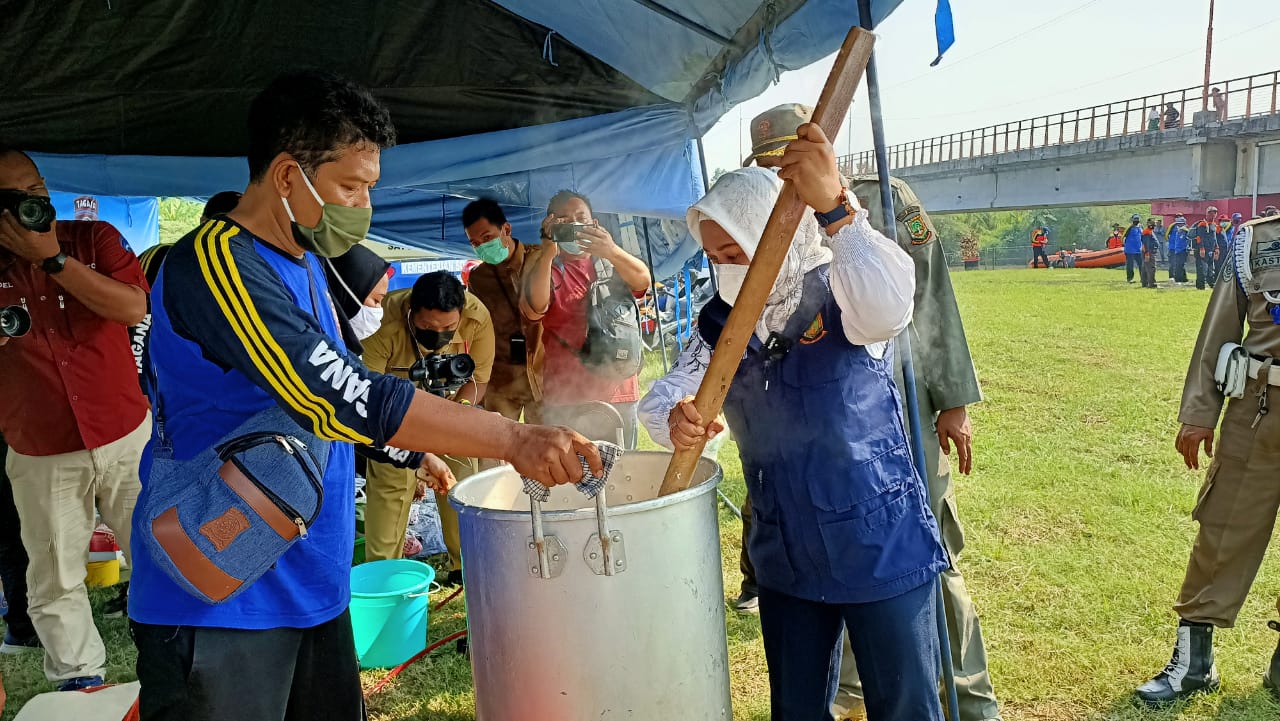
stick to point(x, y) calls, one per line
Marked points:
point(565, 629)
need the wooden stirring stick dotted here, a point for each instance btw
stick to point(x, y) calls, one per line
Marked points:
point(829, 114)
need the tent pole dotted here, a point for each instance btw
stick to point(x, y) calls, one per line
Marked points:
point(903, 343)
point(706, 185)
point(653, 281)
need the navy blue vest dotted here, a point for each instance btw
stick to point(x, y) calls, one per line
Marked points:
point(840, 514)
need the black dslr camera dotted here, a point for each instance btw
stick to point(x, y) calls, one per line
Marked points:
point(443, 374)
point(15, 321)
point(33, 212)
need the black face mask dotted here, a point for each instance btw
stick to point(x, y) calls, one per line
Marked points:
point(432, 339)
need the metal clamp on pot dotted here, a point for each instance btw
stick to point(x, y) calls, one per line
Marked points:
point(605, 551)
point(547, 553)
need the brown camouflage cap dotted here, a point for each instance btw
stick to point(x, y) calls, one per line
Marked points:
point(773, 129)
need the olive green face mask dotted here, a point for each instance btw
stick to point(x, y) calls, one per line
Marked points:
point(340, 228)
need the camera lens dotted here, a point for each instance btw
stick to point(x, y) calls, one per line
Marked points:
point(461, 366)
point(36, 213)
point(14, 321)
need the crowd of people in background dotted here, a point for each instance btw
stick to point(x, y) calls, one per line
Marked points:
point(1208, 241)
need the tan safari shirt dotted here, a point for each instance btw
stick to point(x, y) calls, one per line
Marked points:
point(1230, 312)
point(393, 350)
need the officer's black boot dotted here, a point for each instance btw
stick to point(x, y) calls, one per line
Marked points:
point(1190, 671)
point(1271, 679)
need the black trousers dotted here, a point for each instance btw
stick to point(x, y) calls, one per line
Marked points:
point(1178, 267)
point(13, 558)
point(1037, 255)
point(1204, 271)
point(218, 674)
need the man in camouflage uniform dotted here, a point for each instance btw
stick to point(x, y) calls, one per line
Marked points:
point(946, 384)
point(1237, 504)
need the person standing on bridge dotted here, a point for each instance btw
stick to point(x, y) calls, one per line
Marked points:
point(1220, 104)
point(1039, 239)
point(1204, 242)
point(1236, 506)
point(1153, 119)
point(1133, 248)
point(1172, 118)
point(1178, 238)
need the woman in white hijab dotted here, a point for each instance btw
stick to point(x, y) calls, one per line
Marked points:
point(842, 535)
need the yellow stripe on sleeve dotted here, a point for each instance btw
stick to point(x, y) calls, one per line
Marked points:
point(223, 277)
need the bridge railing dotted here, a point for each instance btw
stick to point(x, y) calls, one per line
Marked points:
point(1247, 97)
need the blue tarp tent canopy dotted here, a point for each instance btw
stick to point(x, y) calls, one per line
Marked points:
point(511, 99)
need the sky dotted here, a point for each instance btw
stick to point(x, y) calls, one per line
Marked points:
point(1018, 59)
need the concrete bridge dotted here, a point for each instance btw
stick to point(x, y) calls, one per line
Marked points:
point(1101, 155)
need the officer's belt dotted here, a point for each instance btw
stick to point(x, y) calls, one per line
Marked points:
point(1255, 367)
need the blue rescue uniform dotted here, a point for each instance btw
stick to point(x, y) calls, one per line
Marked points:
point(843, 531)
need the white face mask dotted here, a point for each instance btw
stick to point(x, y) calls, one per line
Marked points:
point(729, 281)
point(367, 321)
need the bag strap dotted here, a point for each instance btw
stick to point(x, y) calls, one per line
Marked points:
point(502, 283)
point(813, 297)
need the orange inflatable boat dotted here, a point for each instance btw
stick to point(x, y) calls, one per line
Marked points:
point(1108, 258)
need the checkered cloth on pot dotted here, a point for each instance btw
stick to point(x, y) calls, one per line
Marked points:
point(591, 484)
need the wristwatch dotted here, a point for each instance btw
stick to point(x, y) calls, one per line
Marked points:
point(54, 264)
point(841, 211)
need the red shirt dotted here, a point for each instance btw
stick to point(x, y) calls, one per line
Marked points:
point(565, 380)
point(71, 383)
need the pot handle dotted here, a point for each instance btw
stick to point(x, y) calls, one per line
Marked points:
point(546, 553)
point(605, 553)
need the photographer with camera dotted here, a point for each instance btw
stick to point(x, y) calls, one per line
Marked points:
point(73, 415)
point(441, 337)
point(583, 287)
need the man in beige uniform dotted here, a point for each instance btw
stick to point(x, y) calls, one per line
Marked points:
point(1237, 504)
point(436, 316)
point(946, 382)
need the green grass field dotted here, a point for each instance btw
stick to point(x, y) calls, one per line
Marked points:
point(1077, 517)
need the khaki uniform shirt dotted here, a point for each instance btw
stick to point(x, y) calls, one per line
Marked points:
point(943, 367)
point(498, 288)
point(1230, 311)
point(393, 350)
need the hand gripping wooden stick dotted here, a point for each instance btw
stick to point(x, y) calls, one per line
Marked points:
point(832, 107)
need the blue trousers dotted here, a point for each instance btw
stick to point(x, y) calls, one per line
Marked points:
point(895, 642)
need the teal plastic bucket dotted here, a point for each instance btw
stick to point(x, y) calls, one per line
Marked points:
point(389, 610)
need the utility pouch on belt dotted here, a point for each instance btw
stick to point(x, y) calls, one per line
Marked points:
point(218, 521)
point(1232, 371)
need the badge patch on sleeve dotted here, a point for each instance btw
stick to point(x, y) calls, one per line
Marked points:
point(913, 218)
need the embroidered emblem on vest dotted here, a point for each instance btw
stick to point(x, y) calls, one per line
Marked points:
point(815, 332)
point(224, 529)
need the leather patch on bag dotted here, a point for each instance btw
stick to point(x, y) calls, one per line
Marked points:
point(224, 529)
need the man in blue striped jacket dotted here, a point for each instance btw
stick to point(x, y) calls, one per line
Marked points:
point(242, 319)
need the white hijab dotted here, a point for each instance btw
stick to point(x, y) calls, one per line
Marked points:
point(740, 202)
